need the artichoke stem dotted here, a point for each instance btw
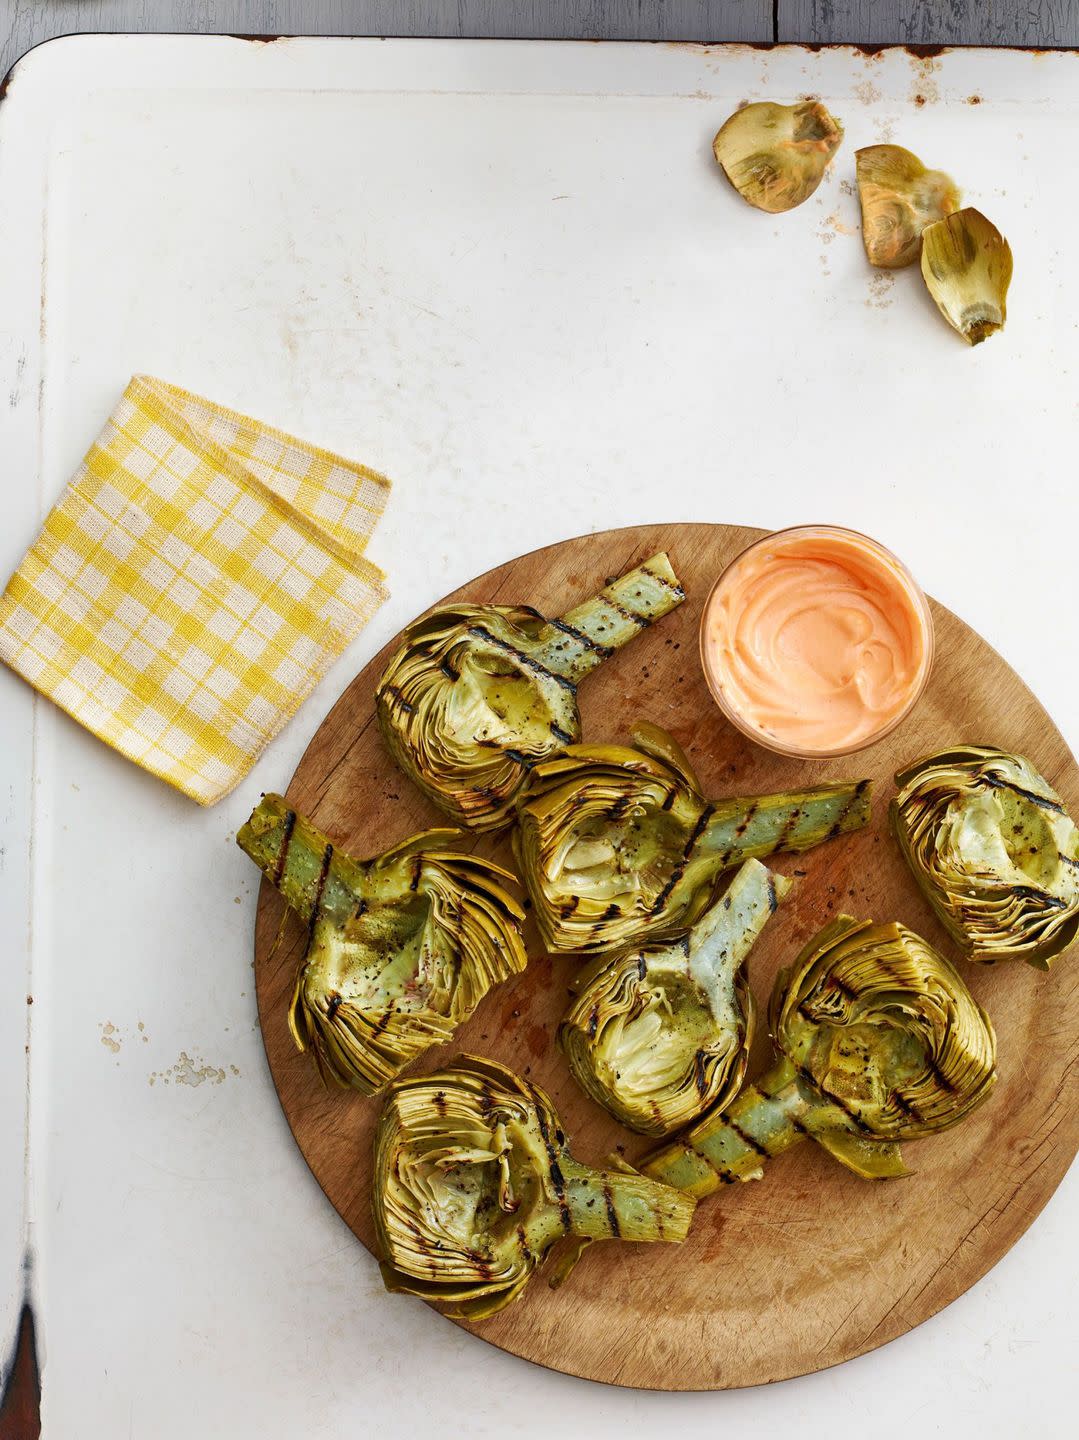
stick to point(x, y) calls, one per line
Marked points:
point(622, 1205)
point(797, 820)
point(590, 633)
point(299, 861)
point(735, 1143)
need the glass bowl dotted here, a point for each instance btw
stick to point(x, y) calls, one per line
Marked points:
point(920, 606)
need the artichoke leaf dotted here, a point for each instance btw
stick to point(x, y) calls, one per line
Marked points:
point(899, 198)
point(401, 948)
point(967, 268)
point(474, 1185)
point(775, 155)
point(477, 694)
point(879, 1042)
point(993, 850)
point(617, 845)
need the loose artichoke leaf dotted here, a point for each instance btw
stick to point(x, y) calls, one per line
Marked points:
point(775, 155)
point(899, 198)
point(967, 267)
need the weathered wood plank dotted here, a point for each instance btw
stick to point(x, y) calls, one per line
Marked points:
point(931, 22)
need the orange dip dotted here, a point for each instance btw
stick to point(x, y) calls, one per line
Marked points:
point(816, 640)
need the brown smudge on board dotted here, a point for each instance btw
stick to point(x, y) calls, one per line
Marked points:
point(20, 1403)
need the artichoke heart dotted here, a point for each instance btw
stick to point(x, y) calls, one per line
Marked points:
point(660, 1035)
point(899, 198)
point(994, 851)
point(473, 1185)
point(880, 1041)
point(967, 265)
point(477, 694)
point(401, 948)
point(618, 845)
point(774, 155)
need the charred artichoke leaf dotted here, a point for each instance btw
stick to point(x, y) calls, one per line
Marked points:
point(994, 852)
point(775, 155)
point(660, 1035)
point(899, 198)
point(879, 1041)
point(967, 266)
point(617, 845)
point(401, 948)
point(474, 1184)
point(477, 694)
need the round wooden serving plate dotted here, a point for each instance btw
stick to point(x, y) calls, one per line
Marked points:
point(810, 1266)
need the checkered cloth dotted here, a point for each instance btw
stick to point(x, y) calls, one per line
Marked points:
point(192, 586)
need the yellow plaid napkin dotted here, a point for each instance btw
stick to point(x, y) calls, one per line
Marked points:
point(194, 583)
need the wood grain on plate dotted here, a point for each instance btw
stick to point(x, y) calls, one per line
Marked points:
point(812, 1265)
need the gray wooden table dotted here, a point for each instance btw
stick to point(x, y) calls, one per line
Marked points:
point(25, 23)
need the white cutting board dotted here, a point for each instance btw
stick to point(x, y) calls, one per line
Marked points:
point(509, 275)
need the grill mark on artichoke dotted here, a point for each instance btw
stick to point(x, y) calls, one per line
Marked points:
point(1027, 892)
point(333, 1004)
point(662, 580)
point(323, 875)
point(680, 869)
point(633, 616)
point(1068, 860)
point(598, 648)
point(562, 736)
point(773, 898)
point(747, 1140)
point(417, 871)
point(447, 669)
point(282, 854)
point(440, 1102)
point(668, 800)
point(397, 695)
point(612, 1213)
point(788, 825)
point(746, 820)
point(852, 1115)
point(700, 1077)
point(996, 783)
point(554, 1169)
point(525, 761)
point(479, 632)
point(902, 1103)
point(859, 791)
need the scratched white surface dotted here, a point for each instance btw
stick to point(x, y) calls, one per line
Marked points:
point(509, 276)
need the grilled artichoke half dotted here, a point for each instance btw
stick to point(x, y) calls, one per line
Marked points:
point(899, 198)
point(774, 155)
point(994, 852)
point(618, 845)
point(473, 1185)
point(660, 1035)
point(967, 266)
point(477, 694)
point(401, 948)
point(880, 1041)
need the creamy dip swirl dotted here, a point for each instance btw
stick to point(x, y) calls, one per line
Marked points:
point(817, 639)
